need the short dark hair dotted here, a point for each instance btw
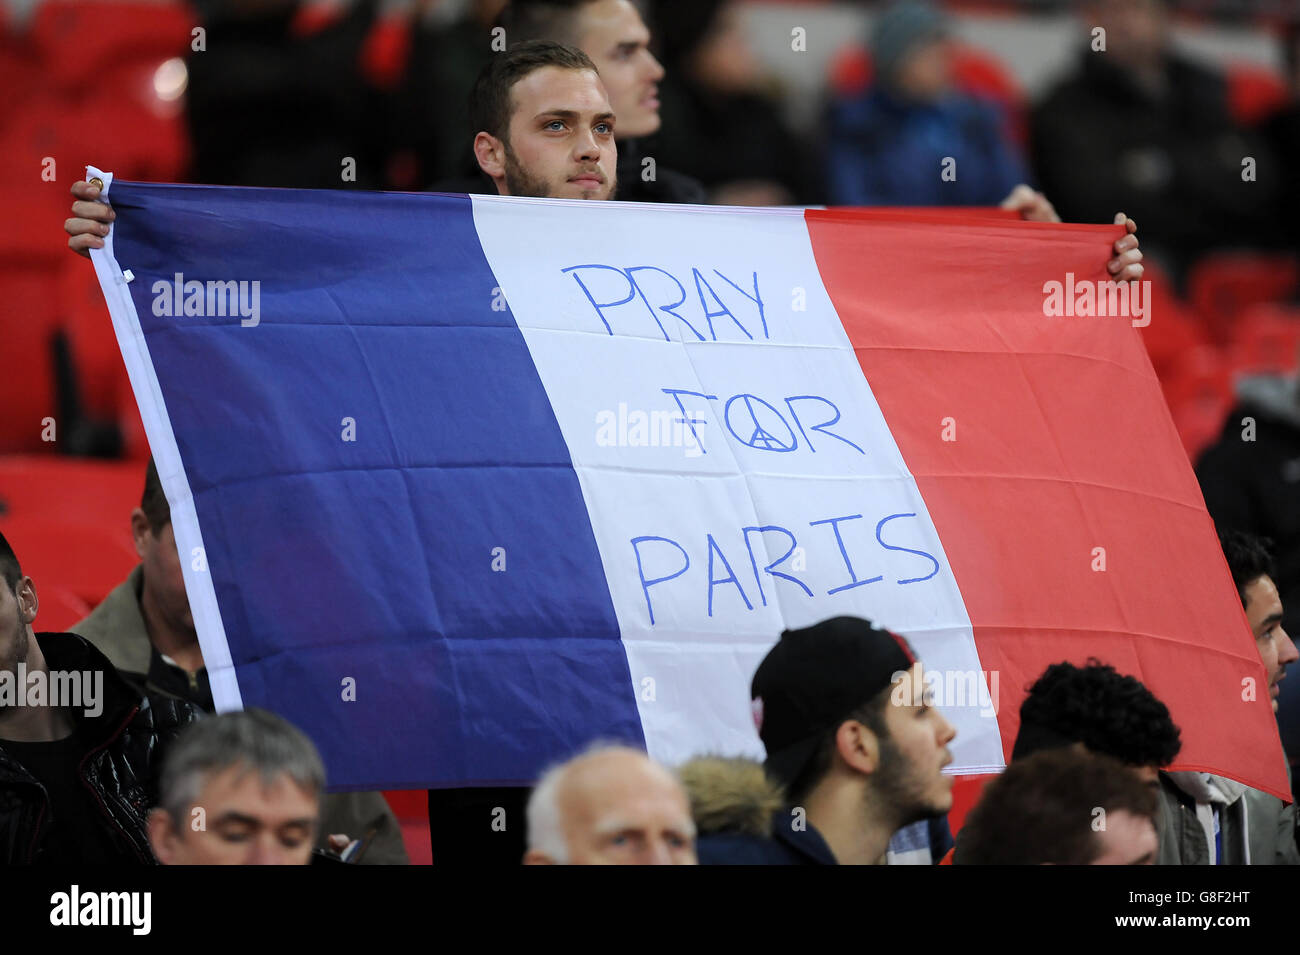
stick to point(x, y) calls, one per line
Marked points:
point(555, 20)
point(1249, 558)
point(871, 714)
point(1044, 809)
point(10, 569)
point(1106, 711)
point(154, 502)
point(489, 101)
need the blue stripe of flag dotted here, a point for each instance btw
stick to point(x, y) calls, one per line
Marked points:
point(373, 559)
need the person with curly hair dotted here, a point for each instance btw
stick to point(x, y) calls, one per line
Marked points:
point(1204, 819)
point(1102, 709)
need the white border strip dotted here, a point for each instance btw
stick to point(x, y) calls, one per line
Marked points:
point(167, 458)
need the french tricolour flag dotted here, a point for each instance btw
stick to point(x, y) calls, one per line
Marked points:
point(460, 484)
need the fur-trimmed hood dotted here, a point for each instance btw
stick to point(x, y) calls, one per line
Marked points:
point(731, 795)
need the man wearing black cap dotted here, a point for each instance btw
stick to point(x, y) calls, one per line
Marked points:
point(851, 740)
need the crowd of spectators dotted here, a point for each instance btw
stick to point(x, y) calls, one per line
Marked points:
point(855, 751)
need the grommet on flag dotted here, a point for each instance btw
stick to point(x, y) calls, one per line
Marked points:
point(98, 183)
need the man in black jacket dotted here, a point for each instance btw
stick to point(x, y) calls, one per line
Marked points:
point(1140, 127)
point(79, 749)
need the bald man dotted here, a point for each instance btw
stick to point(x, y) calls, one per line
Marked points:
point(611, 805)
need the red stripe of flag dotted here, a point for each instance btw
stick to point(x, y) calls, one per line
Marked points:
point(1063, 444)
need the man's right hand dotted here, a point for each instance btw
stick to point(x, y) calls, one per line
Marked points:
point(90, 219)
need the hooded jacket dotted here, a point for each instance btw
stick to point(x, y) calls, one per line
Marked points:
point(116, 627)
point(742, 818)
point(126, 742)
point(1254, 827)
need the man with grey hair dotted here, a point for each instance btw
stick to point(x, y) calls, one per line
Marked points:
point(610, 805)
point(241, 788)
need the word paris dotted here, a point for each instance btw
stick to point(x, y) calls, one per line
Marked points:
point(76, 689)
point(132, 909)
point(1088, 299)
point(209, 299)
point(661, 560)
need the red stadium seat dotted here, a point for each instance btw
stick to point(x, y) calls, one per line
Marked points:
point(1266, 340)
point(79, 41)
point(58, 608)
point(386, 51)
point(1173, 330)
point(84, 560)
point(1199, 393)
point(1254, 92)
point(1222, 285)
point(30, 284)
point(97, 359)
point(135, 444)
point(97, 494)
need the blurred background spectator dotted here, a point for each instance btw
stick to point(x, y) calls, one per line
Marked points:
point(722, 123)
point(911, 137)
point(445, 58)
point(1141, 127)
point(275, 99)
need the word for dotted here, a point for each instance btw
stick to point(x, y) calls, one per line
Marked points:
point(758, 424)
point(1088, 299)
point(660, 560)
point(650, 290)
point(75, 689)
point(209, 299)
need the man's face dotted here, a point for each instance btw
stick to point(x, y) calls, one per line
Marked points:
point(621, 809)
point(561, 143)
point(162, 572)
point(912, 758)
point(243, 822)
point(1128, 839)
point(613, 34)
point(1264, 613)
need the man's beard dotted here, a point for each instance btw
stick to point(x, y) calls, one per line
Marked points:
point(520, 183)
point(18, 652)
point(901, 787)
